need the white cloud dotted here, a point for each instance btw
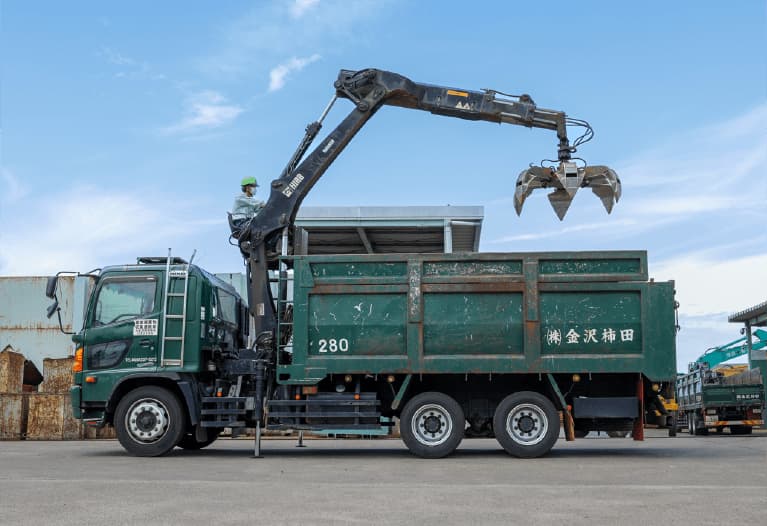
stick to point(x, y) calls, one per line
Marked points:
point(12, 190)
point(300, 7)
point(205, 110)
point(588, 227)
point(713, 157)
point(128, 67)
point(707, 286)
point(116, 58)
point(86, 227)
point(699, 183)
point(279, 74)
point(272, 31)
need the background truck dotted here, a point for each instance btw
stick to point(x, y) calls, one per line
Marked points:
point(709, 400)
point(453, 345)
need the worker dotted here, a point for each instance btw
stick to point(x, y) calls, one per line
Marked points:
point(246, 206)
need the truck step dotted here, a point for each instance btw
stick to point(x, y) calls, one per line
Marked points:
point(307, 427)
point(224, 411)
point(222, 423)
point(316, 414)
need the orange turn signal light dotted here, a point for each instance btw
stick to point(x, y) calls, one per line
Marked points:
point(90, 379)
point(77, 365)
point(356, 396)
point(298, 397)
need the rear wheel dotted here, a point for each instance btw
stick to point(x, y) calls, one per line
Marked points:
point(526, 424)
point(618, 434)
point(698, 429)
point(432, 425)
point(149, 421)
point(671, 424)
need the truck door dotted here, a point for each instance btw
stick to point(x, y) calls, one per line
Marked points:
point(121, 332)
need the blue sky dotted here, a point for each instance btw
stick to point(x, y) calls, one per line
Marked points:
point(127, 126)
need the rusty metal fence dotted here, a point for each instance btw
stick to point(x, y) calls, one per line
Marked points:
point(43, 411)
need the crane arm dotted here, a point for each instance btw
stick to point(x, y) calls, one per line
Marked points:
point(369, 90)
point(716, 355)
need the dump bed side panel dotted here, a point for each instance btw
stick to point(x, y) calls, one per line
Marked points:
point(480, 313)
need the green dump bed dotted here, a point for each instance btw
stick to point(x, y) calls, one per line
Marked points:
point(692, 394)
point(572, 312)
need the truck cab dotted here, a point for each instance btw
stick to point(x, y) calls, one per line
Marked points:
point(150, 335)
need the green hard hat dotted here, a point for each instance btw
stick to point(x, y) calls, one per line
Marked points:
point(248, 180)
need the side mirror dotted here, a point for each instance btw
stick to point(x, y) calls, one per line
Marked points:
point(52, 308)
point(50, 288)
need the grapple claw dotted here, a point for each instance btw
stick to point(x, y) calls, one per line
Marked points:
point(531, 179)
point(605, 184)
point(566, 180)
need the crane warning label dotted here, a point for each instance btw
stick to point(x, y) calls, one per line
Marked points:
point(145, 328)
point(293, 185)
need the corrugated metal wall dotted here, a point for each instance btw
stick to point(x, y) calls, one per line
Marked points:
point(23, 324)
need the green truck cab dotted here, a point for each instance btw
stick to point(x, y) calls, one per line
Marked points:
point(453, 345)
point(151, 328)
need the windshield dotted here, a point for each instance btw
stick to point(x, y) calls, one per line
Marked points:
point(228, 306)
point(125, 298)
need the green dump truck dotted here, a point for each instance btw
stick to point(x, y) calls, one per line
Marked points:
point(710, 401)
point(454, 345)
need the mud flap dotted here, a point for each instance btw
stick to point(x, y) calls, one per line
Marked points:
point(638, 431)
point(569, 426)
point(567, 416)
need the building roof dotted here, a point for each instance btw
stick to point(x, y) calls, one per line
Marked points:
point(386, 230)
point(756, 315)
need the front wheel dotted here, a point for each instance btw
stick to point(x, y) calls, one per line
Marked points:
point(526, 424)
point(432, 425)
point(149, 421)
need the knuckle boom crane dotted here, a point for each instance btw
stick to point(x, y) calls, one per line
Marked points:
point(497, 342)
point(369, 90)
point(453, 345)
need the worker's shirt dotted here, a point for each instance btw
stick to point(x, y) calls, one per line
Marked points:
point(246, 206)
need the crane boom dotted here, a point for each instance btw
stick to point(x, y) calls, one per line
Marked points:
point(369, 90)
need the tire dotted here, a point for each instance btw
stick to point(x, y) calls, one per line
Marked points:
point(698, 429)
point(671, 423)
point(149, 421)
point(190, 443)
point(526, 424)
point(432, 425)
point(580, 433)
point(618, 434)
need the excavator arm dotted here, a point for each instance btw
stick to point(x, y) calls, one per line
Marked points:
point(369, 90)
point(716, 355)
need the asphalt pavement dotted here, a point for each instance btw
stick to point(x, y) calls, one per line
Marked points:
point(683, 480)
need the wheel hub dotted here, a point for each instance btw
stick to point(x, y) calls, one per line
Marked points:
point(432, 425)
point(147, 421)
point(527, 424)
